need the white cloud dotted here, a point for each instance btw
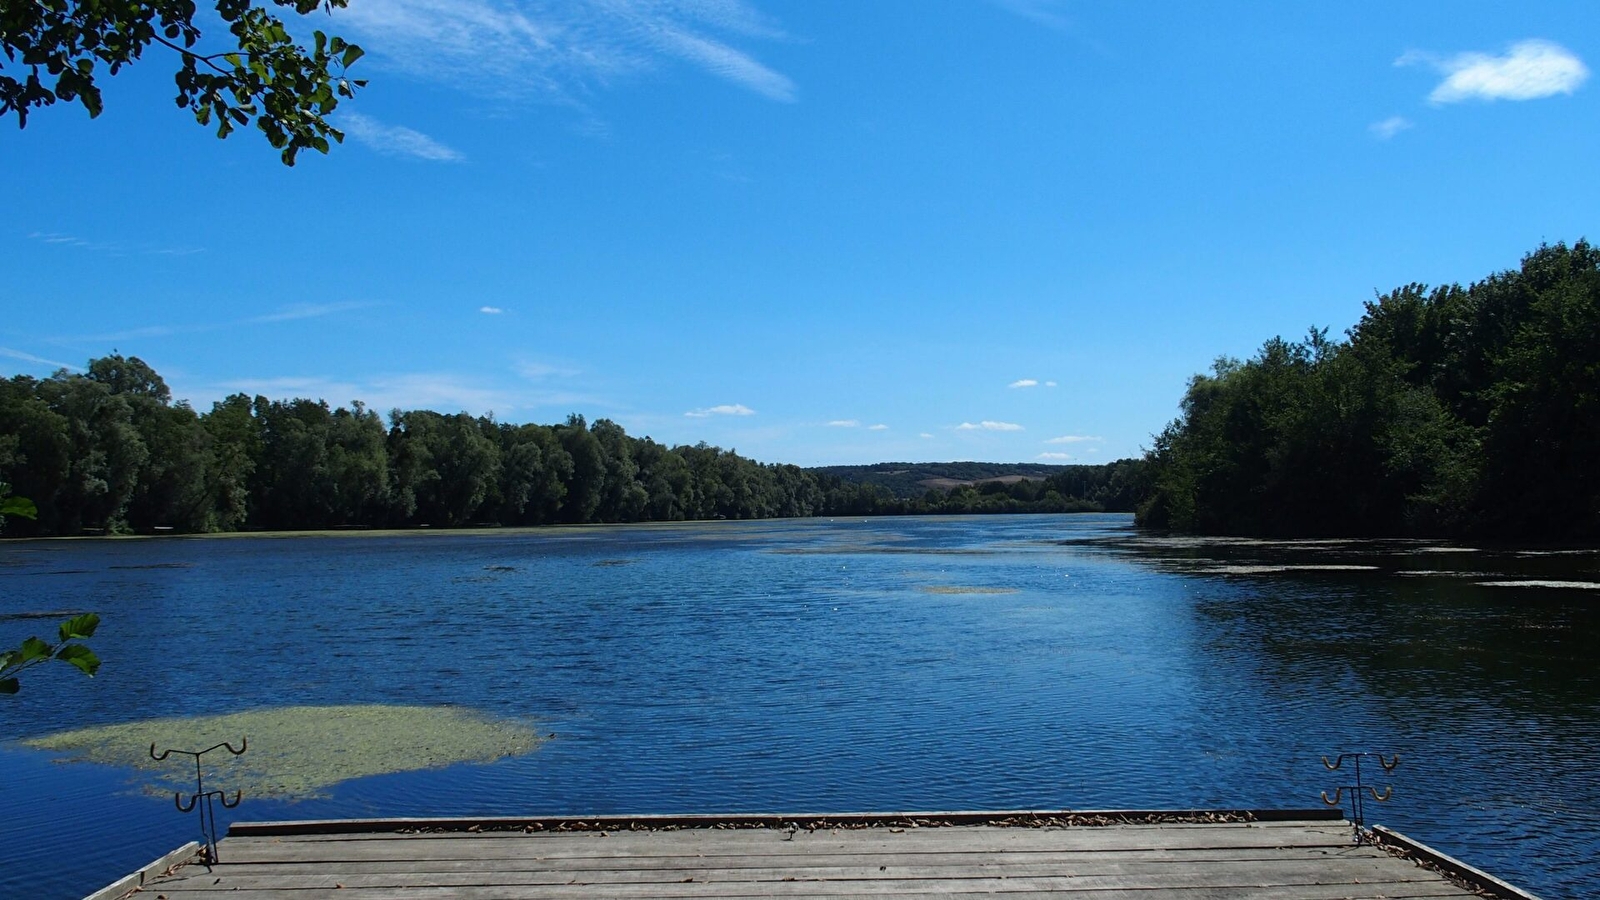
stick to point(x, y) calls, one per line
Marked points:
point(1389, 127)
point(726, 409)
point(1071, 439)
point(844, 423)
point(439, 391)
point(924, 434)
point(29, 357)
point(1023, 383)
point(1049, 384)
point(490, 310)
point(564, 51)
point(305, 311)
point(395, 140)
point(1055, 456)
point(112, 248)
point(1528, 70)
point(879, 427)
point(1048, 13)
point(533, 370)
point(989, 425)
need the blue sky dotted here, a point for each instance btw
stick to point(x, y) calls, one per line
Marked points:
point(818, 233)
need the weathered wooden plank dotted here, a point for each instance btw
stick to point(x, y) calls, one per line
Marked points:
point(774, 820)
point(1131, 875)
point(676, 843)
point(135, 880)
point(955, 858)
point(1419, 850)
point(1310, 860)
point(1408, 891)
point(759, 833)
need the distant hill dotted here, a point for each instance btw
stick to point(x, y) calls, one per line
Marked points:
point(910, 480)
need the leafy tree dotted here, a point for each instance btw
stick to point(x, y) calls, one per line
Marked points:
point(235, 448)
point(1449, 410)
point(586, 488)
point(257, 73)
point(33, 651)
point(68, 649)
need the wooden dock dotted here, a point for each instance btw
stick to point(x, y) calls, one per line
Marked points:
point(1284, 855)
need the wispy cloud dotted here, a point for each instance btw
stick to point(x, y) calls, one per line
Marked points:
point(1389, 127)
point(1060, 456)
point(989, 425)
point(440, 391)
point(291, 313)
point(879, 427)
point(1024, 383)
point(112, 248)
point(1049, 13)
point(490, 310)
point(1528, 70)
point(538, 370)
point(1072, 439)
point(29, 357)
point(133, 334)
point(304, 311)
point(844, 423)
point(564, 51)
point(395, 140)
point(924, 434)
point(726, 409)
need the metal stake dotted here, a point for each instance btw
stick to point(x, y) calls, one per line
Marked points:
point(208, 813)
point(1360, 791)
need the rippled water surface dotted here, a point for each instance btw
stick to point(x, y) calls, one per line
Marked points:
point(838, 665)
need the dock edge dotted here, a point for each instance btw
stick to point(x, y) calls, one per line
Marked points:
point(1444, 862)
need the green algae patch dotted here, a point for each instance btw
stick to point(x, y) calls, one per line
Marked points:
point(296, 752)
point(958, 589)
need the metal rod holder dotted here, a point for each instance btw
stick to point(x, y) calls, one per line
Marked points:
point(208, 812)
point(1361, 791)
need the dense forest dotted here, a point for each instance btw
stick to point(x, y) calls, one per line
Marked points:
point(1448, 411)
point(1468, 411)
point(1112, 487)
point(108, 451)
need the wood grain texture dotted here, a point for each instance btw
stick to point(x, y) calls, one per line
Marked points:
point(1308, 860)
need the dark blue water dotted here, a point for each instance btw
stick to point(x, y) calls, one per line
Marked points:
point(807, 666)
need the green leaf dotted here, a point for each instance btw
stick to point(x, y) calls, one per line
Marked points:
point(80, 656)
point(79, 627)
point(33, 649)
point(351, 54)
point(19, 506)
point(8, 686)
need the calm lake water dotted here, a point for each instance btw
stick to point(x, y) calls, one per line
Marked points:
point(839, 665)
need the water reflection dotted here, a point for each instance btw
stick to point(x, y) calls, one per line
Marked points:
point(1491, 691)
point(1025, 662)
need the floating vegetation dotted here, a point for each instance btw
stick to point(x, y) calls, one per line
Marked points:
point(1272, 569)
point(300, 751)
point(46, 614)
point(602, 563)
point(845, 549)
point(959, 589)
point(1537, 583)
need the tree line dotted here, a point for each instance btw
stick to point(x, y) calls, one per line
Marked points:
point(1468, 411)
point(108, 451)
